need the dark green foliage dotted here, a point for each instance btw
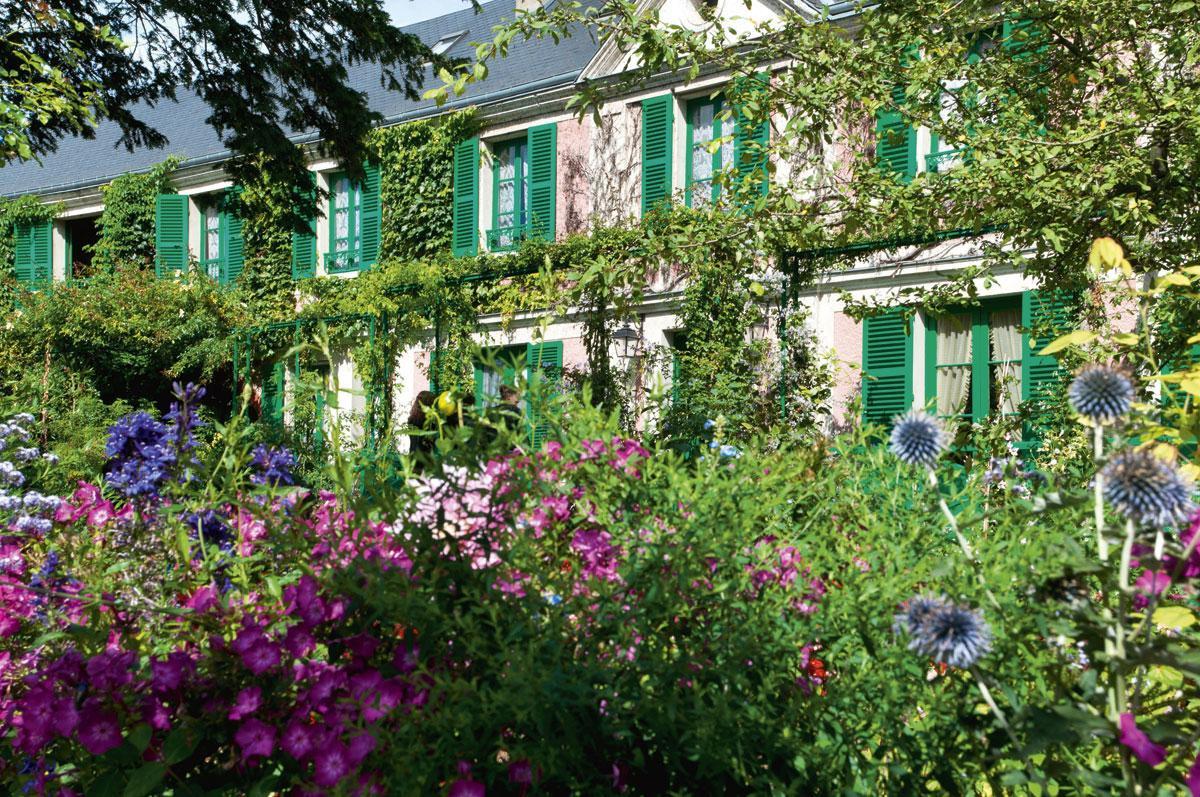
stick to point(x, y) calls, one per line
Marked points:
point(264, 71)
point(128, 333)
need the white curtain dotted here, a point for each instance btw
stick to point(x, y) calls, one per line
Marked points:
point(1006, 352)
point(953, 348)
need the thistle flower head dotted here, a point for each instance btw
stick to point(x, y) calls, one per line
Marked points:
point(918, 439)
point(947, 633)
point(915, 611)
point(1101, 393)
point(1147, 490)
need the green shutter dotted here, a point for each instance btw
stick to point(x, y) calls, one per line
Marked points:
point(543, 181)
point(1022, 38)
point(658, 116)
point(171, 233)
point(1045, 315)
point(544, 361)
point(750, 138)
point(31, 255)
point(372, 216)
point(273, 394)
point(233, 247)
point(464, 238)
point(304, 244)
point(887, 367)
point(896, 140)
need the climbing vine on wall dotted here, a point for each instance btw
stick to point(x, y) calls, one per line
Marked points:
point(126, 225)
point(417, 183)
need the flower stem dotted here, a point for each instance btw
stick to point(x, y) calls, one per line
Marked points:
point(962, 541)
point(1098, 455)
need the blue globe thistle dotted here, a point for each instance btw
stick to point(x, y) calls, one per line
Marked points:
point(915, 611)
point(918, 439)
point(1147, 490)
point(947, 633)
point(1101, 393)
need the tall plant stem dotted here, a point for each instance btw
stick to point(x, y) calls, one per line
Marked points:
point(962, 541)
point(1098, 455)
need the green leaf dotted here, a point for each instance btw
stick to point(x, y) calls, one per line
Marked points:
point(1174, 617)
point(179, 744)
point(144, 780)
point(1076, 338)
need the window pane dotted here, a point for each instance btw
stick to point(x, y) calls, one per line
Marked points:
point(954, 364)
point(1006, 359)
point(341, 215)
point(212, 233)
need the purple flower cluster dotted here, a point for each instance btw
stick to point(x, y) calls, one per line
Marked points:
point(141, 454)
point(273, 466)
point(145, 453)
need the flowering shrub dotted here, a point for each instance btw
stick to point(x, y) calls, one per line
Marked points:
point(602, 616)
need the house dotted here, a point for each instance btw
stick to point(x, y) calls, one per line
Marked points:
point(535, 170)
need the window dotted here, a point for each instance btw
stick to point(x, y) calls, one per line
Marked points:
point(443, 45)
point(345, 224)
point(497, 368)
point(81, 234)
point(211, 254)
point(706, 158)
point(510, 219)
point(973, 361)
point(943, 154)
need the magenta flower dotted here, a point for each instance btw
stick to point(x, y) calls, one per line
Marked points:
point(66, 716)
point(110, 670)
point(98, 731)
point(332, 764)
point(467, 788)
point(299, 642)
point(246, 703)
point(360, 747)
point(1137, 741)
point(156, 714)
point(299, 739)
point(521, 772)
point(256, 738)
point(202, 599)
point(168, 674)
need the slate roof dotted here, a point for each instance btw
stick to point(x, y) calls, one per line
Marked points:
point(532, 65)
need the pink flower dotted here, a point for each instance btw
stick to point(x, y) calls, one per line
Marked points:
point(1150, 582)
point(1193, 778)
point(202, 599)
point(100, 514)
point(1136, 740)
point(11, 560)
point(256, 738)
point(98, 731)
point(332, 764)
point(299, 642)
point(246, 703)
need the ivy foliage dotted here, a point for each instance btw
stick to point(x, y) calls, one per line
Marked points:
point(417, 183)
point(126, 225)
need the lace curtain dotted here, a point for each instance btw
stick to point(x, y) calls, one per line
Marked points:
point(953, 349)
point(1006, 352)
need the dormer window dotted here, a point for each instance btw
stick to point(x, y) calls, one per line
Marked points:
point(443, 45)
